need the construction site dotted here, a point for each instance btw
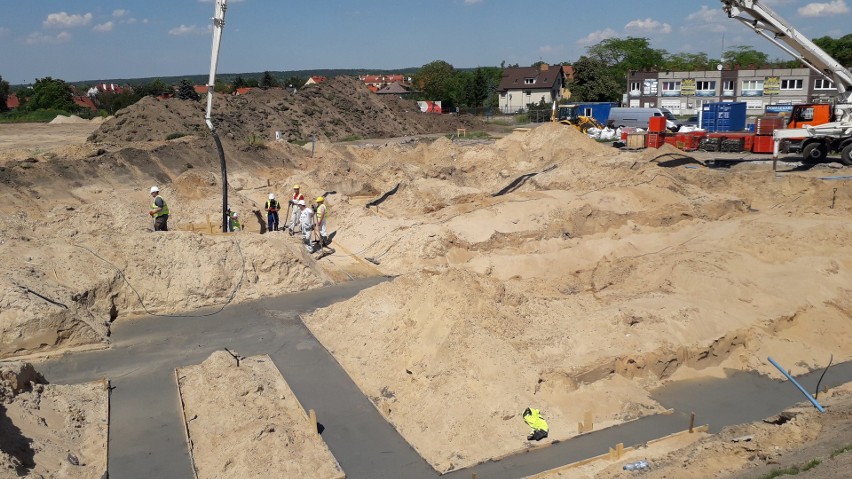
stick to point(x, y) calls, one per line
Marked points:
point(632, 296)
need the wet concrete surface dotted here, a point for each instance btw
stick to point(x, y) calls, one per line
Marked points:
point(147, 437)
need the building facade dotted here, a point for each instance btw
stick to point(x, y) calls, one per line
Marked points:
point(524, 86)
point(684, 93)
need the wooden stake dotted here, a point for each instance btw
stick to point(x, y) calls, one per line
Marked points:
point(313, 420)
point(580, 427)
point(588, 425)
point(619, 450)
point(209, 224)
point(692, 423)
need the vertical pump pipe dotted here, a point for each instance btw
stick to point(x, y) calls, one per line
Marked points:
point(796, 383)
point(218, 26)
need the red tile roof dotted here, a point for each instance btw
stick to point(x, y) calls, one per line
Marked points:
point(12, 101)
point(200, 89)
point(242, 91)
point(84, 102)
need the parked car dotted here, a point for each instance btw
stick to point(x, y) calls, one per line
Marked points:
point(691, 121)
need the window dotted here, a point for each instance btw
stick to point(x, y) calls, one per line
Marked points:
point(670, 88)
point(752, 88)
point(728, 88)
point(791, 84)
point(823, 84)
point(705, 86)
point(635, 88)
point(529, 81)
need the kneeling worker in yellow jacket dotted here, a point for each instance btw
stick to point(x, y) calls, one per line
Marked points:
point(537, 423)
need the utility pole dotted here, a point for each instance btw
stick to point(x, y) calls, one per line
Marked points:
point(218, 26)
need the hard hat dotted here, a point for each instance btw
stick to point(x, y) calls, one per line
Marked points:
point(302, 203)
point(320, 199)
point(236, 215)
point(271, 196)
point(527, 412)
point(154, 189)
point(295, 187)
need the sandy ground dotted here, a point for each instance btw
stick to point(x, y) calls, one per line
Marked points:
point(244, 421)
point(49, 431)
point(542, 269)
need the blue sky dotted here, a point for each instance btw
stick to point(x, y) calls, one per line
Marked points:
point(100, 39)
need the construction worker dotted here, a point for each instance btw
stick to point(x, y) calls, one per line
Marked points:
point(233, 220)
point(159, 211)
point(536, 423)
point(272, 207)
point(306, 221)
point(297, 196)
point(321, 216)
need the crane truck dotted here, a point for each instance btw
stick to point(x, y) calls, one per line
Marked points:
point(815, 130)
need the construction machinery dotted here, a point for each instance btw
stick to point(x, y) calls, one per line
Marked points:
point(569, 115)
point(814, 129)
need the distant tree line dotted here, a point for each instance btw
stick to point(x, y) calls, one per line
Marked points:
point(600, 75)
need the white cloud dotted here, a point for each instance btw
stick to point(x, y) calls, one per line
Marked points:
point(64, 20)
point(834, 7)
point(119, 13)
point(103, 27)
point(471, 2)
point(38, 38)
point(706, 14)
point(186, 30)
point(647, 25)
point(597, 37)
point(130, 20)
point(4, 32)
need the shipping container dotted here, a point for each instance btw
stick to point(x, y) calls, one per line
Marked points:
point(723, 116)
point(597, 110)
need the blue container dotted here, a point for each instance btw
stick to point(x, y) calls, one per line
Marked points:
point(598, 110)
point(724, 117)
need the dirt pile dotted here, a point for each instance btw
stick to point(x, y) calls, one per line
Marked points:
point(341, 108)
point(245, 421)
point(50, 430)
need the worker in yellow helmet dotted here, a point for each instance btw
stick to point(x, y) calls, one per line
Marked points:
point(321, 217)
point(537, 424)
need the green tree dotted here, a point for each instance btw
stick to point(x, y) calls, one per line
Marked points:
point(623, 55)
point(688, 62)
point(186, 91)
point(437, 81)
point(154, 88)
point(50, 94)
point(111, 102)
point(267, 80)
point(839, 48)
point(294, 82)
point(4, 93)
point(239, 82)
point(593, 82)
point(744, 56)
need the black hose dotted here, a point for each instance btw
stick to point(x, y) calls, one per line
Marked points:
point(224, 169)
point(816, 395)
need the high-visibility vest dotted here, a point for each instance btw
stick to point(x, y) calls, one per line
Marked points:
point(321, 213)
point(272, 204)
point(535, 421)
point(163, 211)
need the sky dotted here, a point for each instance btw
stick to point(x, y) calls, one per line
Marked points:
point(108, 39)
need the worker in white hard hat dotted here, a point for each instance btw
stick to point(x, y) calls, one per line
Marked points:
point(159, 211)
point(233, 220)
point(294, 220)
point(272, 207)
point(306, 221)
point(321, 216)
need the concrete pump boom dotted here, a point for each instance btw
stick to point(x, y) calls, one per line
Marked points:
point(218, 26)
point(765, 22)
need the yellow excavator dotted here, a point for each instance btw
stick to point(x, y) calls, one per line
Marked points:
point(568, 115)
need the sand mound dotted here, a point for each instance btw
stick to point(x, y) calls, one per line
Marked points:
point(62, 119)
point(50, 430)
point(340, 108)
point(245, 421)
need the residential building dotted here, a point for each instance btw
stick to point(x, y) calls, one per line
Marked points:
point(12, 102)
point(381, 81)
point(315, 80)
point(684, 93)
point(394, 89)
point(524, 86)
